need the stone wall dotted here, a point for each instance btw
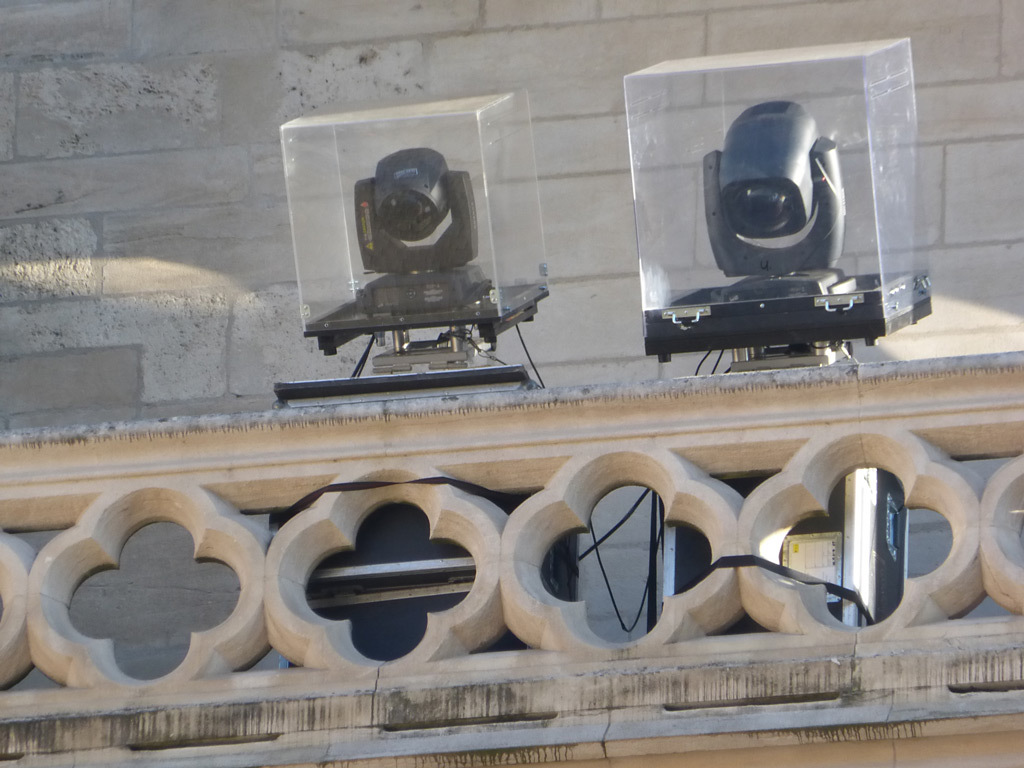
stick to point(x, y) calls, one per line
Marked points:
point(145, 255)
point(115, 678)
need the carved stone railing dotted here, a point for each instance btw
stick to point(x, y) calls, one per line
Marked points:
point(570, 695)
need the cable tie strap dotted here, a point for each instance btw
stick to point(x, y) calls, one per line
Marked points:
point(496, 497)
point(754, 561)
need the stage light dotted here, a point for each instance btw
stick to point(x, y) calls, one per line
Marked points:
point(806, 196)
point(415, 215)
point(417, 224)
point(775, 180)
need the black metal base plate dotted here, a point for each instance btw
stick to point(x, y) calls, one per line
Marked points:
point(348, 322)
point(396, 385)
point(777, 321)
point(351, 320)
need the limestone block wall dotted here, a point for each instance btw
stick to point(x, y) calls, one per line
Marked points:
point(145, 256)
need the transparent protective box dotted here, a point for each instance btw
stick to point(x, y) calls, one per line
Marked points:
point(774, 197)
point(414, 216)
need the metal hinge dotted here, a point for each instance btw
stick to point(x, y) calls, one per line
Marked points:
point(839, 303)
point(678, 314)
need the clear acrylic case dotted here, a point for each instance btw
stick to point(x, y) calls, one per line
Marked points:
point(415, 216)
point(774, 197)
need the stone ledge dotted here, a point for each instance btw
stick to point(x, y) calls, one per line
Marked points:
point(886, 379)
point(556, 710)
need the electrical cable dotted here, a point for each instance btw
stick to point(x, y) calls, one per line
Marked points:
point(721, 352)
point(748, 561)
point(604, 575)
point(618, 525)
point(497, 497)
point(511, 500)
point(706, 356)
point(657, 522)
point(357, 371)
point(532, 365)
point(611, 593)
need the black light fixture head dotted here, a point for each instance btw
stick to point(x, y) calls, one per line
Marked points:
point(773, 195)
point(415, 215)
point(410, 194)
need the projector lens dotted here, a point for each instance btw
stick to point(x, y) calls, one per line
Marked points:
point(763, 210)
point(409, 215)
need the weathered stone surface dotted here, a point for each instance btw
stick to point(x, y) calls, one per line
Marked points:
point(225, 404)
point(703, 696)
point(65, 29)
point(635, 368)
point(100, 378)
point(581, 145)
point(588, 332)
point(975, 306)
point(116, 109)
point(1012, 57)
point(608, 245)
point(304, 22)
point(952, 39)
point(569, 70)
point(182, 337)
point(564, 328)
point(976, 111)
point(268, 172)
point(47, 259)
point(50, 417)
point(526, 13)
point(923, 344)
point(630, 8)
point(170, 27)
point(6, 116)
point(982, 187)
point(262, 92)
point(266, 345)
point(347, 74)
point(228, 247)
point(143, 605)
point(975, 287)
point(929, 193)
point(128, 182)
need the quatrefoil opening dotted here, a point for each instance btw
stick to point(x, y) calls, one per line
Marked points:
point(566, 505)
point(332, 526)
point(154, 600)
point(801, 490)
point(1002, 550)
point(95, 543)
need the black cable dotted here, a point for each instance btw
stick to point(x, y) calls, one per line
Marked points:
point(532, 365)
point(748, 561)
point(654, 544)
point(611, 594)
point(511, 500)
point(706, 356)
point(657, 527)
point(497, 497)
point(618, 525)
point(722, 352)
point(357, 371)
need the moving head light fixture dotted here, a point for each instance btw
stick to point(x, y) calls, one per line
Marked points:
point(416, 217)
point(776, 211)
point(416, 224)
point(399, 213)
point(775, 179)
